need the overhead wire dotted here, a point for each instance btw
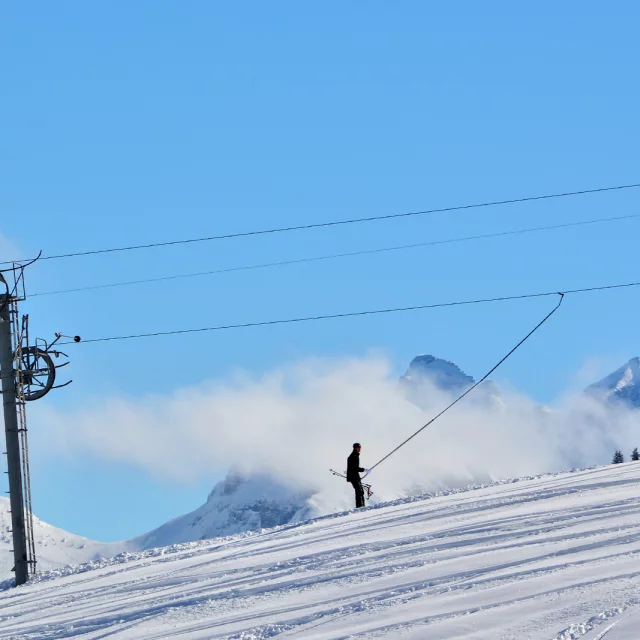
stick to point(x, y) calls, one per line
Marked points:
point(354, 314)
point(470, 389)
point(562, 294)
point(334, 256)
point(335, 223)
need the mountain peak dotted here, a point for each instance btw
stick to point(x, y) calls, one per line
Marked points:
point(425, 372)
point(444, 374)
point(623, 385)
point(243, 501)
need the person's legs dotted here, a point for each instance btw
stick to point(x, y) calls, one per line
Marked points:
point(357, 485)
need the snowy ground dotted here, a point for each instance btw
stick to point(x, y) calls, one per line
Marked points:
point(556, 557)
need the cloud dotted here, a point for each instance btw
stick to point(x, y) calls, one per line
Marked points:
point(295, 421)
point(300, 420)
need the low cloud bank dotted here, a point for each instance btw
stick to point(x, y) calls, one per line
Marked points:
point(297, 422)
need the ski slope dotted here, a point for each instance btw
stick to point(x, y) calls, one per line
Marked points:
point(554, 557)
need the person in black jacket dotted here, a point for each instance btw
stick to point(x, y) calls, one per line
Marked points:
point(353, 474)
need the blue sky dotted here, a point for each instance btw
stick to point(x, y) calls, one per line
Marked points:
point(126, 123)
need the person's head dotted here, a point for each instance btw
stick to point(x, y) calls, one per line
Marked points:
point(357, 446)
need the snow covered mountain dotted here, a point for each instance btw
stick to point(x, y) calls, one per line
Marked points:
point(443, 374)
point(426, 372)
point(239, 503)
point(55, 547)
point(620, 387)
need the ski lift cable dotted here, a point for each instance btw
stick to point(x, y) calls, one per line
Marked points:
point(334, 256)
point(355, 314)
point(336, 223)
point(470, 389)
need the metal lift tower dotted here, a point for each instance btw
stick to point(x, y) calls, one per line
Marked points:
point(28, 373)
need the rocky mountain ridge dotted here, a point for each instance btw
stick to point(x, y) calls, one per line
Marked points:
point(620, 387)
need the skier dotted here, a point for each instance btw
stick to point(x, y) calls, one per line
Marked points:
point(353, 474)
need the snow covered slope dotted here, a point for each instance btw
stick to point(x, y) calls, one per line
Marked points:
point(552, 557)
point(238, 503)
point(54, 547)
point(622, 386)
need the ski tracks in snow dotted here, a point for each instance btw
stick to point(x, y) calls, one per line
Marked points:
point(530, 559)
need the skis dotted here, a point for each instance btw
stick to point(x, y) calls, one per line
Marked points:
point(366, 487)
